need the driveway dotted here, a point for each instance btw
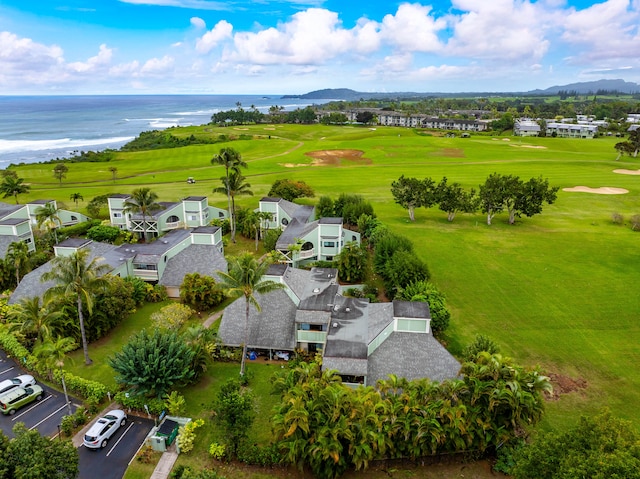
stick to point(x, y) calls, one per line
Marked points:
point(44, 415)
point(112, 461)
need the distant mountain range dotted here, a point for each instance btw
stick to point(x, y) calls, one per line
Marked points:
point(582, 88)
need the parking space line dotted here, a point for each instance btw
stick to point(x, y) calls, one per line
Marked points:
point(119, 439)
point(7, 370)
point(42, 401)
point(49, 416)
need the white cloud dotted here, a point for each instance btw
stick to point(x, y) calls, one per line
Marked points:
point(23, 55)
point(608, 31)
point(413, 29)
point(197, 22)
point(102, 59)
point(499, 29)
point(156, 66)
point(212, 38)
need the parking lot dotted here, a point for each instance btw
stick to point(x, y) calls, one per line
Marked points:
point(44, 415)
point(111, 462)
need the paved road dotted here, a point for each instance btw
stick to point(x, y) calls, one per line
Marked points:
point(112, 461)
point(44, 415)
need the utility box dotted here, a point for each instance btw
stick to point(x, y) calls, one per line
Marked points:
point(158, 443)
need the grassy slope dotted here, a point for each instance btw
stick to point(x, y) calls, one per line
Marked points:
point(555, 290)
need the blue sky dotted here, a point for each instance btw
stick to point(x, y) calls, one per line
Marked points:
point(296, 46)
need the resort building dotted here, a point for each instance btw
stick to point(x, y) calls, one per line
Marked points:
point(304, 239)
point(571, 130)
point(164, 261)
point(526, 127)
point(17, 222)
point(191, 212)
point(363, 341)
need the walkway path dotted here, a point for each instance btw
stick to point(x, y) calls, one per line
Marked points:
point(165, 464)
point(212, 319)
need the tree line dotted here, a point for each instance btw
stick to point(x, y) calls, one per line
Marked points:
point(497, 194)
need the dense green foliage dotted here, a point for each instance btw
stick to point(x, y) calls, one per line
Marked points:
point(352, 262)
point(429, 293)
point(329, 427)
point(32, 456)
point(201, 292)
point(104, 233)
point(234, 411)
point(290, 189)
point(152, 364)
point(152, 140)
point(602, 447)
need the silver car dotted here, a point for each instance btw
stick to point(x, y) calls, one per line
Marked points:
point(23, 381)
point(104, 428)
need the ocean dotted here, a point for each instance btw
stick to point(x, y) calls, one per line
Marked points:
point(41, 128)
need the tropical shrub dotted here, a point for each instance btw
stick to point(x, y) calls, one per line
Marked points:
point(201, 292)
point(104, 233)
point(172, 316)
point(187, 435)
point(427, 292)
point(151, 364)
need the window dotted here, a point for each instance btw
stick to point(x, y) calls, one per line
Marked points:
point(147, 267)
point(220, 214)
point(74, 218)
point(329, 244)
point(117, 215)
point(192, 217)
point(353, 238)
point(173, 219)
point(284, 221)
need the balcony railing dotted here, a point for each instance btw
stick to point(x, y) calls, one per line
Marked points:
point(310, 253)
point(311, 336)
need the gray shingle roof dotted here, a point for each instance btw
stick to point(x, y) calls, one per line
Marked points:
point(412, 356)
point(273, 328)
point(5, 242)
point(195, 258)
point(31, 285)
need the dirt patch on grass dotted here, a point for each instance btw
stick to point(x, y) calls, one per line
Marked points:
point(564, 385)
point(452, 153)
point(627, 172)
point(536, 147)
point(603, 190)
point(335, 157)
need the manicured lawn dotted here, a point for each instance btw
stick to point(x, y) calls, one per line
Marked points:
point(557, 290)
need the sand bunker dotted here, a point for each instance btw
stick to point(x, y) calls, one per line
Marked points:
point(335, 157)
point(627, 172)
point(537, 147)
point(604, 190)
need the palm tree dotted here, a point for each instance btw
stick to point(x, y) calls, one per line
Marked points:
point(18, 255)
point(142, 201)
point(245, 278)
point(232, 161)
point(49, 214)
point(114, 173)
point(77, 277)
point(30, 317)
point(234, 185)
point(13, 186)
point(75, 197)
point(52, 354)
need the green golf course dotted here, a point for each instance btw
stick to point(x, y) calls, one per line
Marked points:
point(558, 290)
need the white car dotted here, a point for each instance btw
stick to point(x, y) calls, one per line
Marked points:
point(23, 381)
point(104, 428)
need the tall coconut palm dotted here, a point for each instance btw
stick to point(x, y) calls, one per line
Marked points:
point(234, 185)
point(49, 215)
point(13, 186)
point(245, 279)
point(32, 318)
point(79, 278)
point(142, 201)
point(18, 255)
point(232, 161)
